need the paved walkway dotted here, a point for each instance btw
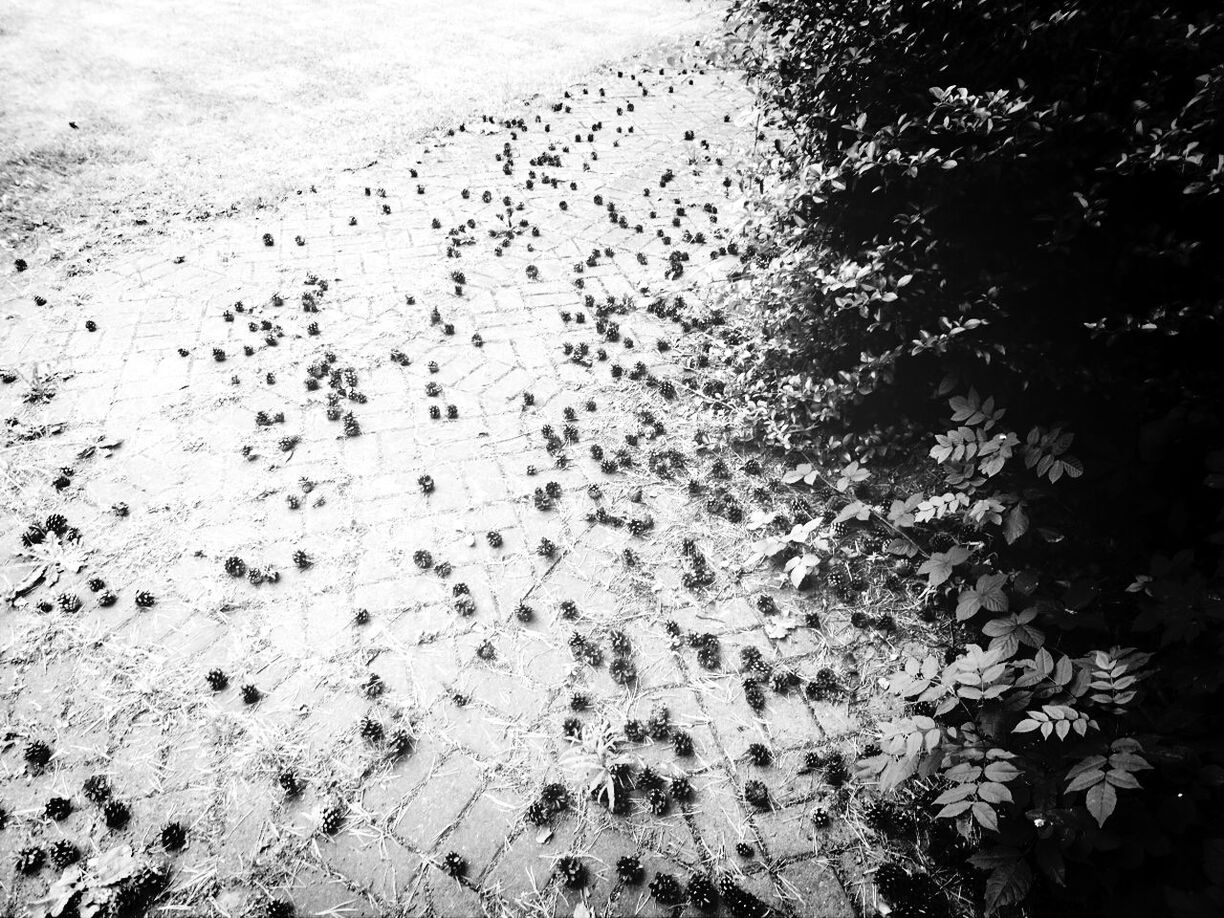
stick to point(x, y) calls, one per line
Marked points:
point(214, 399)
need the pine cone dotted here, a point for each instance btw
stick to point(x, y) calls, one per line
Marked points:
point(333, 818)
point(97, 789)
point(37, 754)
point(30, 860)
point(399, 743)
point(453, 865)
point(289, 783)
point(835, 771)
point(756, 793)
point(658, 724)
point(666, 890)
point(682, 743)
point(622, 671)
point(754, 695)
point(629, 869)
point(658, 801)
point(572, 871)
point(759, 754)
point(371, 730)
point(708, 654)
point(173, 836)
point(116, 814)
point(58, 808)
point(740, 903)
point(64, 854)
point(702, 893)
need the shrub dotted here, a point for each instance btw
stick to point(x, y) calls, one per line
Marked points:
point(1022, 194)
point(1014, 210)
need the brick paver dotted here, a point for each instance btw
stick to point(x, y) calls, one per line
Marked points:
point(121, 690)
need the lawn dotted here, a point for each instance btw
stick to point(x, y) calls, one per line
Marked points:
point(192, 108)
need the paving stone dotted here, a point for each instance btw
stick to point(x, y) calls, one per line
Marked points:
point(819, 892)
point(486, 826)
point(379, 866)
point(787, 832)
point(125, 687)
point(450, 788)
point(449, 899)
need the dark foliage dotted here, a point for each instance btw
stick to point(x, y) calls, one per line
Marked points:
point(1017, 204)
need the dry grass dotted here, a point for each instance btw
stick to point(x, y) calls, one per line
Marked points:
point(219, 104)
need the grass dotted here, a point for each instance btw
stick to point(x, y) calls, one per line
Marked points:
point(212, 106)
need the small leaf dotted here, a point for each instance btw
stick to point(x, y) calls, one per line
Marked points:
point(1063, 671)
point(1044, 661)
point(994, 793)
point(952, 810)
point(1119, 778)
point(1008, 885)
point(985, 815)
point(968, 605)
point(939, 566)
point(1017, 524)
point(1101, 800)
point(1128, 761)
point(1085, 780)
point(779, 627)
point(1002, 772)
point(990, 591)
point(956, 794)
point(903, 547)
point(853, 510)
point(797, 473)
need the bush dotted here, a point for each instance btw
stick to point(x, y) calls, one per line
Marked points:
point(1025, 194)
point(1018, 204)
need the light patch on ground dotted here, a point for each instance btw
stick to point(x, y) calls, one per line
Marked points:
point(191, 108)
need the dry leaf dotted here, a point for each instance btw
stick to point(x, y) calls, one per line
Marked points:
point(779, 627)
